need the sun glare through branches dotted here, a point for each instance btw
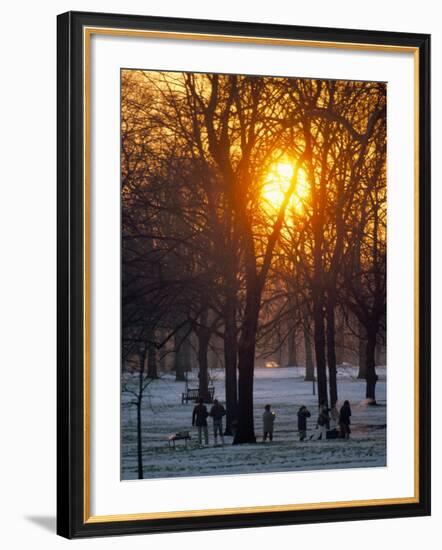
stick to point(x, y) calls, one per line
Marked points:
point(277, 183)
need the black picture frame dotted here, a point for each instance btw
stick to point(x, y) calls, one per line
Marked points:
point(71, 497)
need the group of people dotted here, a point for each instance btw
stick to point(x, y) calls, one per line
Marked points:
point(217, 411)
point(322, 423)
point(199, 419)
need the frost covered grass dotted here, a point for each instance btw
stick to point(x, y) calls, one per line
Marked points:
point(283, 388)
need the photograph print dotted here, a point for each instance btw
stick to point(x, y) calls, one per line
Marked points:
point(253, 274)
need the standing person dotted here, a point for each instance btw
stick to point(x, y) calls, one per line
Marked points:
point(217, 412)
point(303, 414)
point(322, 423)
point(268, 419)
point(344, 420)
point(199, 419)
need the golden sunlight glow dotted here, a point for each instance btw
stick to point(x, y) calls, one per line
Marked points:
point(277, 182)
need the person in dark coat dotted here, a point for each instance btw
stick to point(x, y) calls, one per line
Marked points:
point(217, 412)
point(199, 419)
point(344, 420)
point(303, 414)
point(268, 419)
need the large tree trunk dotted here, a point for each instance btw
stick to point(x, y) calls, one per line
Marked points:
point(203, 363)
point(309, 365)
point(246, 358)
point(246, 365)
point(331, 353)
point(230, 321)
point(142, 362)
point(362, 352)
point(231, 362)
point(319, 338)
point(371, 376)
point(378, 355)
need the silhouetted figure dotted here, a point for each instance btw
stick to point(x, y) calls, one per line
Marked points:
point(303, 414)
point(344, 420)
point(268, 419)
point(199, 419)
point(217, 412)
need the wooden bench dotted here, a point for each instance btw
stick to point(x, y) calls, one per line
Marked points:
point(193, 394)
point(177, 436)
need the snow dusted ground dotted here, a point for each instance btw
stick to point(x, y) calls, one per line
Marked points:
point(285, 390)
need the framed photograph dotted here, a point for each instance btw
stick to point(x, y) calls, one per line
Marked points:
point(243, 274)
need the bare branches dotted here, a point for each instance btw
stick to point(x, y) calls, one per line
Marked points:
point(203, 249)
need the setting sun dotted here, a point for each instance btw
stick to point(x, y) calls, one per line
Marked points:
point(277, 183)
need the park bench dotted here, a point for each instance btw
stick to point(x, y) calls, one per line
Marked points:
point(193, 394)
point(177, 436)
